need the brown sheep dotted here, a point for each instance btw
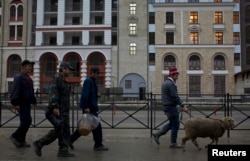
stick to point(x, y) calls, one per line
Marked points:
point(206, 127)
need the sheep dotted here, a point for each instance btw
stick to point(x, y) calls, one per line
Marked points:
point(206, 127)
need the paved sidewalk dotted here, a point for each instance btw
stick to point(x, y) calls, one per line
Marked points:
point(124, 145)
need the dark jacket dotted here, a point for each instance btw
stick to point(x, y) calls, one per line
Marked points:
point(23, 90)
point(59, 94)
point(170, 95)
point(89, 98)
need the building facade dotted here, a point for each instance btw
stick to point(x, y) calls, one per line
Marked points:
point(134, 43)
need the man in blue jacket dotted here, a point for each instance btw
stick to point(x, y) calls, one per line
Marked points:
point(89, 104)
point(22, 96)
point(170, 100)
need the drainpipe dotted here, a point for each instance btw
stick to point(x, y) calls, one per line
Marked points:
point(1, 66)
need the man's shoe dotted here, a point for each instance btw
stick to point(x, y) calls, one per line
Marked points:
point(101, 148)
point(38, 148)
point(65, 154)
point(25, 144)
point(15, 141)
point(156, 137)
point(174, 145)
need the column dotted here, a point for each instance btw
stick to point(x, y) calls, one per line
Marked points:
point(36, 75)
point(86, 12)
point(40, 13)
point(83, 71)
point(60, 37)
point(61, 13)
point(108, 80)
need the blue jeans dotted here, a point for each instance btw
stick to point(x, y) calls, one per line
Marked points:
point(174, 123)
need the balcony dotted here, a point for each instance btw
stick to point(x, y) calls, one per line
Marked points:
point(219, 27)
point(169, 27)
point(194, 27)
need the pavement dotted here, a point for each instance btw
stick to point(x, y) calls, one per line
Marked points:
point(124, 145)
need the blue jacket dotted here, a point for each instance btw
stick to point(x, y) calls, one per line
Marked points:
point(89, 97)
point(170, 95)
point(23, 90)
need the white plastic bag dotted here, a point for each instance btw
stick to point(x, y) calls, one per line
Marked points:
point(88, 123)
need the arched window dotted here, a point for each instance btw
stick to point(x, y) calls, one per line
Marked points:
point(12, 13)
point(20, 13)
point(219, 63)
point(13, 65)
point(74, 61)
point(49, 66)
point(169, 61)
point(194, 62)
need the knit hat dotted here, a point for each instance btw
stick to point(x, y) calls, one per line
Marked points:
point(66, 65)
point(172, 71)
point(27, 62)
point(95, 70)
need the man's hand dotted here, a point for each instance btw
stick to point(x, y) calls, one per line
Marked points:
point(87, 110)
point(15, 109)
point(185, 109)
point(56, 112)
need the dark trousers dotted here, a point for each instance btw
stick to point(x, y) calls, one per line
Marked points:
point(97, 136)
point(61, 133)
point(25, 121)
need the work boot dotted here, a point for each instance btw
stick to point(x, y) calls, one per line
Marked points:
point(15, 141)
point(101, 148)
point(25, 144)
point(38, 148)
point(64, 153)
point(174, 145)
point(156, 137)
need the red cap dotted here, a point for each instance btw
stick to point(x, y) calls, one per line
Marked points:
point(173, 70)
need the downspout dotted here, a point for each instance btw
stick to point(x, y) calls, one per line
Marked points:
point(27, 31)
point(1, 66)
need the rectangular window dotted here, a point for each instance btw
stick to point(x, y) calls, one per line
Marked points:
point(169, 17)
point(53, 21)
point(218, 17)
point(193, 1)
point(132, 8)
point(128, 84)
point(98, 40)
point(151, 38)
point(132, 29)
point(75, 40)
point(12, 32)
point(218, 37)
point(151, 58)
point(194, 38)
point(114, 21)
point(132, 48)
point(169, 38)
point(193, 19)
point(194, 86)
point(237, 59)
point(236, 38)
point(151, 18)
point(236, 17)
point(75, 20)
point(219, 85)
point(19, 32)
point(217, 1)
point(98, 20)
point(114, 39)
point(52, 41)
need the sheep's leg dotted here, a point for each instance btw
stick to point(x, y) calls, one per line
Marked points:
point(184, 139)
point(195, 143)
point(211, 142)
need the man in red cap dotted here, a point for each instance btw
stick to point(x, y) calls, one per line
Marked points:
point(170, 100)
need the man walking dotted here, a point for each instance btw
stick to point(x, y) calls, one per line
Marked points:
point(170, 100)
point(58, 113)
point(22, 96)
point(89, 104)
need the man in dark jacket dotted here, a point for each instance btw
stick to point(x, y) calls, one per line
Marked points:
point(89, 104)
point(170, 100)
point(58, 113)
point(22, 96)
